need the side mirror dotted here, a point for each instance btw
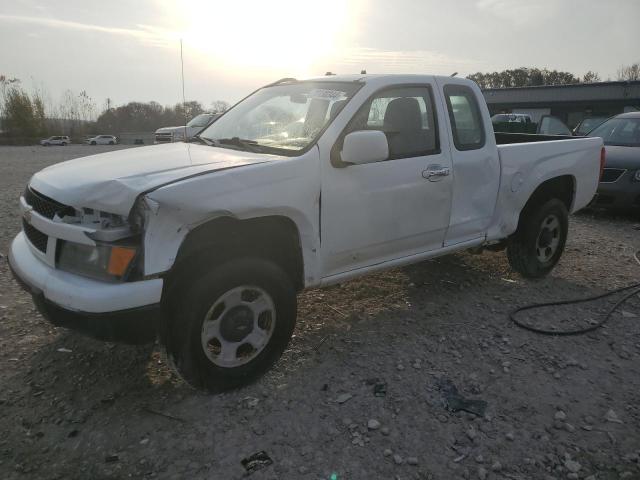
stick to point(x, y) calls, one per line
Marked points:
point(365, 146)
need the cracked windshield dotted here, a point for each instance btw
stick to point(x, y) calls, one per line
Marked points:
point(287, 117)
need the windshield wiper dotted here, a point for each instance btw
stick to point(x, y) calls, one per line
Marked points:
point(242, 143)
point(198, 138)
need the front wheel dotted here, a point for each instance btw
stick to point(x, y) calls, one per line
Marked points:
point(537, 245)
point(227, 326)
point(64, 144)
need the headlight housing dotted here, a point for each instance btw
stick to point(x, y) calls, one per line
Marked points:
point(636, 176)
point(104, 262)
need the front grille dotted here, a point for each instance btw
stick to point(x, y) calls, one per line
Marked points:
point(45, 206)
point(35, 236)
point(164, 137)
point(610, 175)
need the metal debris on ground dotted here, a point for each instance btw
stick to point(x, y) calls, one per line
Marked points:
point(380, 389)
point(257, 461)
point(455, 402)
point(345, 397)
point(162, 414)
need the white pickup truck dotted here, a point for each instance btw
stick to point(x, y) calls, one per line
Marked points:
point(185, 132)
point(302, 184)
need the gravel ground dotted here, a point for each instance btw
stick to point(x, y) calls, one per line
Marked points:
point(557, 408)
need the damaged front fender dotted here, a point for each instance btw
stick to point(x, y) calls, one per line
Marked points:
point(287, 188)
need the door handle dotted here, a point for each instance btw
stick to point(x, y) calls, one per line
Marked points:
point(435, 173)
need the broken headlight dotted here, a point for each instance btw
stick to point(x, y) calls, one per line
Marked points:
point(101, 262)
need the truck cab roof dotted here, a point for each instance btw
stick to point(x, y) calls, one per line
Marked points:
point(368, 77)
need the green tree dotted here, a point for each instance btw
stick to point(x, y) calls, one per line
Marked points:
point(20, 125)
point(145, 117)
point(39, 115)
point(591, 77)
point(523, 77)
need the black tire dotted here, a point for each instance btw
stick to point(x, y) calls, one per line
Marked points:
point(93, 143)
point(197, 293)
point(524, 247)
point(111, 143)
point(64, 144)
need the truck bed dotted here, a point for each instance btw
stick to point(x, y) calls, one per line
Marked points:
point(528, 160)
point(503, 138)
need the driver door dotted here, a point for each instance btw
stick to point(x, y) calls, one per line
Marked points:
point(377, 212)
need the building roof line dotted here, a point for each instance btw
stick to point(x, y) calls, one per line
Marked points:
point(568, 85)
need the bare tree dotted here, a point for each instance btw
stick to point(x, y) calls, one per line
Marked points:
point(86, 107)
point(629, 72)
point(219, 106)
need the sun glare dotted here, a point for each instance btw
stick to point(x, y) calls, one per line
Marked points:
point(290, 35)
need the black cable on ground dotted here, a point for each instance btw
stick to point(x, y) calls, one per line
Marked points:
point(635, 289)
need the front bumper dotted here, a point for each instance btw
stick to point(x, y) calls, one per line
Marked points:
point(126, 312)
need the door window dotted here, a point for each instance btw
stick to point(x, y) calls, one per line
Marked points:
point(464, 114)
point(407, 118)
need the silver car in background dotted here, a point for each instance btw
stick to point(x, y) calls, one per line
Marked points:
point(619, 186)
point(62, 140)
point(101, 140)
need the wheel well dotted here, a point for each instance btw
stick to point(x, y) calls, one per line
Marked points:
point(274, 238)
point(562, 188)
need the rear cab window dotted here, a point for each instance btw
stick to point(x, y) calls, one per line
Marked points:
point(464, 114)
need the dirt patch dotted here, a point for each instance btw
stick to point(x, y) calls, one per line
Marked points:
point(359, 393)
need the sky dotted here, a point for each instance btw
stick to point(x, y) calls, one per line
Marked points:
point(126, 51)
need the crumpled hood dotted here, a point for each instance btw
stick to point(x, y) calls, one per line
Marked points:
point(112, 181)
point(622, 157)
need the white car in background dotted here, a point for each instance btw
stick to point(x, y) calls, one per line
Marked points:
point(102, 140)
point(56, 140)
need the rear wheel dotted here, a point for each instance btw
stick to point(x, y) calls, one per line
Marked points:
point(227, 326)
point(537, 245)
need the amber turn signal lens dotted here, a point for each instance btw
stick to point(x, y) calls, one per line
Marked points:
point(119, 260)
